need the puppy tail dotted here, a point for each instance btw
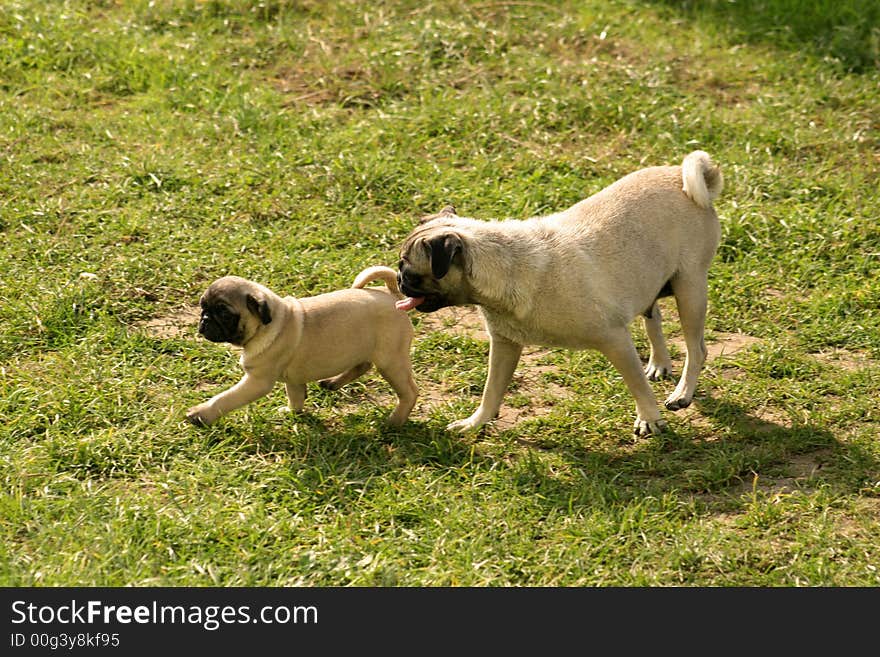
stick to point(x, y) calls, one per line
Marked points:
point(385, 274)
point(701, 178)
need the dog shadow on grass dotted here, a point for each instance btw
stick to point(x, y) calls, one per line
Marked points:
point(360, 439)
point(719, 452)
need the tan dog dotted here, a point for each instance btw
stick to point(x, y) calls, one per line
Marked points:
point(338, 334)
point(578, 278)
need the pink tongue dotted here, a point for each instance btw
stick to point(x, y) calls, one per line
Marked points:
point(409, 303)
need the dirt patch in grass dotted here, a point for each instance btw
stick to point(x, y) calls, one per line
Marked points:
point(850, 361)
point(530, 378)
point(855, 524)
point(179, 323)
point(536, 396)
point(346, 86)
point(802, 468)
point(718, 345)
point(464, 321)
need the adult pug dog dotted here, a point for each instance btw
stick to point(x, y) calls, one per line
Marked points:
point(332, 338)
point(579, 277)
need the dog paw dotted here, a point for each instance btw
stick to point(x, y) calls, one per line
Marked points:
point(677, 403)
point(656, 371)
point(645, 428)
point(394, 422)
point(194, 420)
point(463, 426)
point(200, 416)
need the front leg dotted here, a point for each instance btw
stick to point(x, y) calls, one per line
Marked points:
point(503, 357)
point(243, 392)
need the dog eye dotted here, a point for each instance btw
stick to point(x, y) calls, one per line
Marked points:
point(219, 312)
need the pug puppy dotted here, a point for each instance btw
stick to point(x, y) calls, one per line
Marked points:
point(332, 338)
point(579, 277)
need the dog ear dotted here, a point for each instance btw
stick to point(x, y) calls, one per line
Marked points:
point(260, 308)
point(447, 211)
point(443, 249)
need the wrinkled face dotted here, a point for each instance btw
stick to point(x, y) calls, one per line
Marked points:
point(219, 321)
point(430, 269)
point(418, 286)
point(232, 310)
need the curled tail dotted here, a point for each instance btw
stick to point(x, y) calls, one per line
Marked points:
point(385, 274)
point(701, 178)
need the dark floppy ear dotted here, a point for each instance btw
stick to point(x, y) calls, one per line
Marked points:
point(443, 249)
point(260, 308)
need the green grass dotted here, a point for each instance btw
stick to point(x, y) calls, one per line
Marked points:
point(150, 147)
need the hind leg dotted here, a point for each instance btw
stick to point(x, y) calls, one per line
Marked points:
point(618, 348)
point(659, 363)
point(399, 376)
point(336, 382)
point(296, 396)
point(691, 298)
